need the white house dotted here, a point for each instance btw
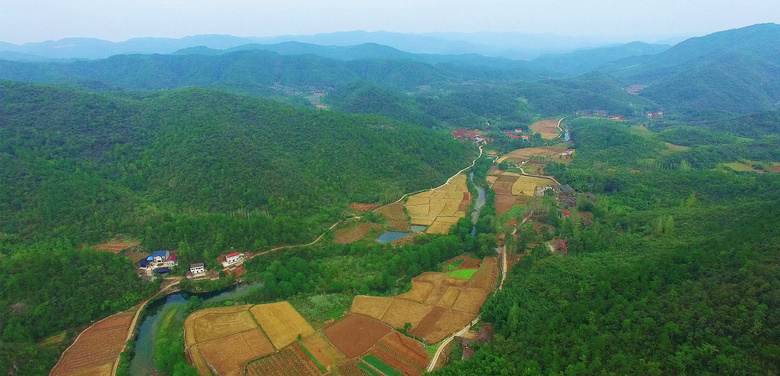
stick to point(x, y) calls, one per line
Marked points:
point(161, 256)
point(233, 258)
point(197, 268)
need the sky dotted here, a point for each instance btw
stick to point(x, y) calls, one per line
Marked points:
point(24, 21)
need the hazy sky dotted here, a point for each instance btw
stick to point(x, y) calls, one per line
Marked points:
point(37, 20)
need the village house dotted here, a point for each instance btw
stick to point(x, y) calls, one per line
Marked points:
point(160, 256)
point(198, 268)
point(233, 259)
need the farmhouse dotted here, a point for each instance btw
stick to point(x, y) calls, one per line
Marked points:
point(160, 256)
point(198, 268)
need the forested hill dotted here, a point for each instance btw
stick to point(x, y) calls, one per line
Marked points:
point(732, 71)
point(199, 166)
point(250, 71)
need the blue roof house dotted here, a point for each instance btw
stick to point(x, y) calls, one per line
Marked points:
point(160, 256)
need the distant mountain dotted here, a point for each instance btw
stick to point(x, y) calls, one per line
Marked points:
point(89, 48)
point(733, 71)
point(579, 62)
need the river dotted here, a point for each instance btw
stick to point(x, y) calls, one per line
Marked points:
point(143, 360)
point(478, 206)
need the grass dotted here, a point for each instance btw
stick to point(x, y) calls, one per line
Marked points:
point(319, 308)
point(455, 264)
point(368, 369)
point(381, 366)
point(317, 362)
point(431, 349)
point(464, 273)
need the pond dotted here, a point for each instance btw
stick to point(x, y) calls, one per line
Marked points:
point(391, 236)
point(143, 360)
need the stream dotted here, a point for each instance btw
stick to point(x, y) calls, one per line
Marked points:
point(478, 206)
point(143, 360)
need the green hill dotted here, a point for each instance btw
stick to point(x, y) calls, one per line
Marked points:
point(200, 166)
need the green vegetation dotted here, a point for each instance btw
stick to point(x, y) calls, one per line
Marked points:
point(317, 362)
point(381, 366)
point(454, 265)
point(169, 357)
point(319, 308)
point(368, 369)
point(463, 273)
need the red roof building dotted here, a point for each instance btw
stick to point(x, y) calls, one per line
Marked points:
point(566, 213)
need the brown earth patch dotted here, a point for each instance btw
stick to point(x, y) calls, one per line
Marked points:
point(227, 355)
point(352, 369)
point(505, 203)
point(213, 323)
point(96, 349)
point(407, 348)
point(355, 334)
point(449, 297)
point(428, 323)
point(323, 351)
point(470, 300)
point(548, 128)
point(403, 311)
point(115, 247)
point(485, 277)
point(290, 361)
point(363, 207)
point(371, 306)
point(420, 290)
point(450, 322)
point(281, 322)
point(353, 233)
point(436, 294)
point(395, 215)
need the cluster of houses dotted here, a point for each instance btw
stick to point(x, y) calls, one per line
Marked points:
point(229, 262)
point(475, 136)
point(517, 134)
point(160, 262)
point(657, 115)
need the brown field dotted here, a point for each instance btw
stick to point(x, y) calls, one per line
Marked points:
point(427, 324)
point(363, 207)
point(408, 348)
point(291, 361)
point(526, 185)
point(455, 282)
point(548, 128)
point(449, 297)
point(281, 322)
point(469, 263)
point(450, 322)
point(430, 277)
point(441, 208)
point(505, 203)
point(522, 155)
point(503, 187)
point(213, 323)
point(355, 334)
point(323, 351)
point(436, 293)
point(115, 247)
point(351, 369)
point(403, 311)
point(419, 291)
point(371, 306)
point(136, 256)
point(96, 349)
point(470, 299)
point(396, 217)
point(353, 233)
point(227, 355)
point(486, 276)
point(408, 239)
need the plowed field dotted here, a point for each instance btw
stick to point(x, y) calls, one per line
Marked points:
point(96, 349)
point(228, 354)
point(450, 322)
point(213, 323)
point(526, 185)
point(352, 234)
point(486, 276)
point(281, 322)
point(521, 155)
point(115, 247)
point(548, 128)
point(291, 361)
point(441, 208)
point(470, 299)
point(419, 291)
point(403, 311)
point(355, 334)
point(323, 351)
point(371, 306)
point(396, 217)
point(449, 297)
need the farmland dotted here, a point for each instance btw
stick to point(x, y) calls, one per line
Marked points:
point(440, 208)
point(523, 155)
point(292, 361)
point(547, 128)
point(281, 323)
point(96, 349)
point(355, 334)
point(438, 304)
point(224, 339)
point(323, 351)
point(353, 233)
point(395, 215)
point(116, 247)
